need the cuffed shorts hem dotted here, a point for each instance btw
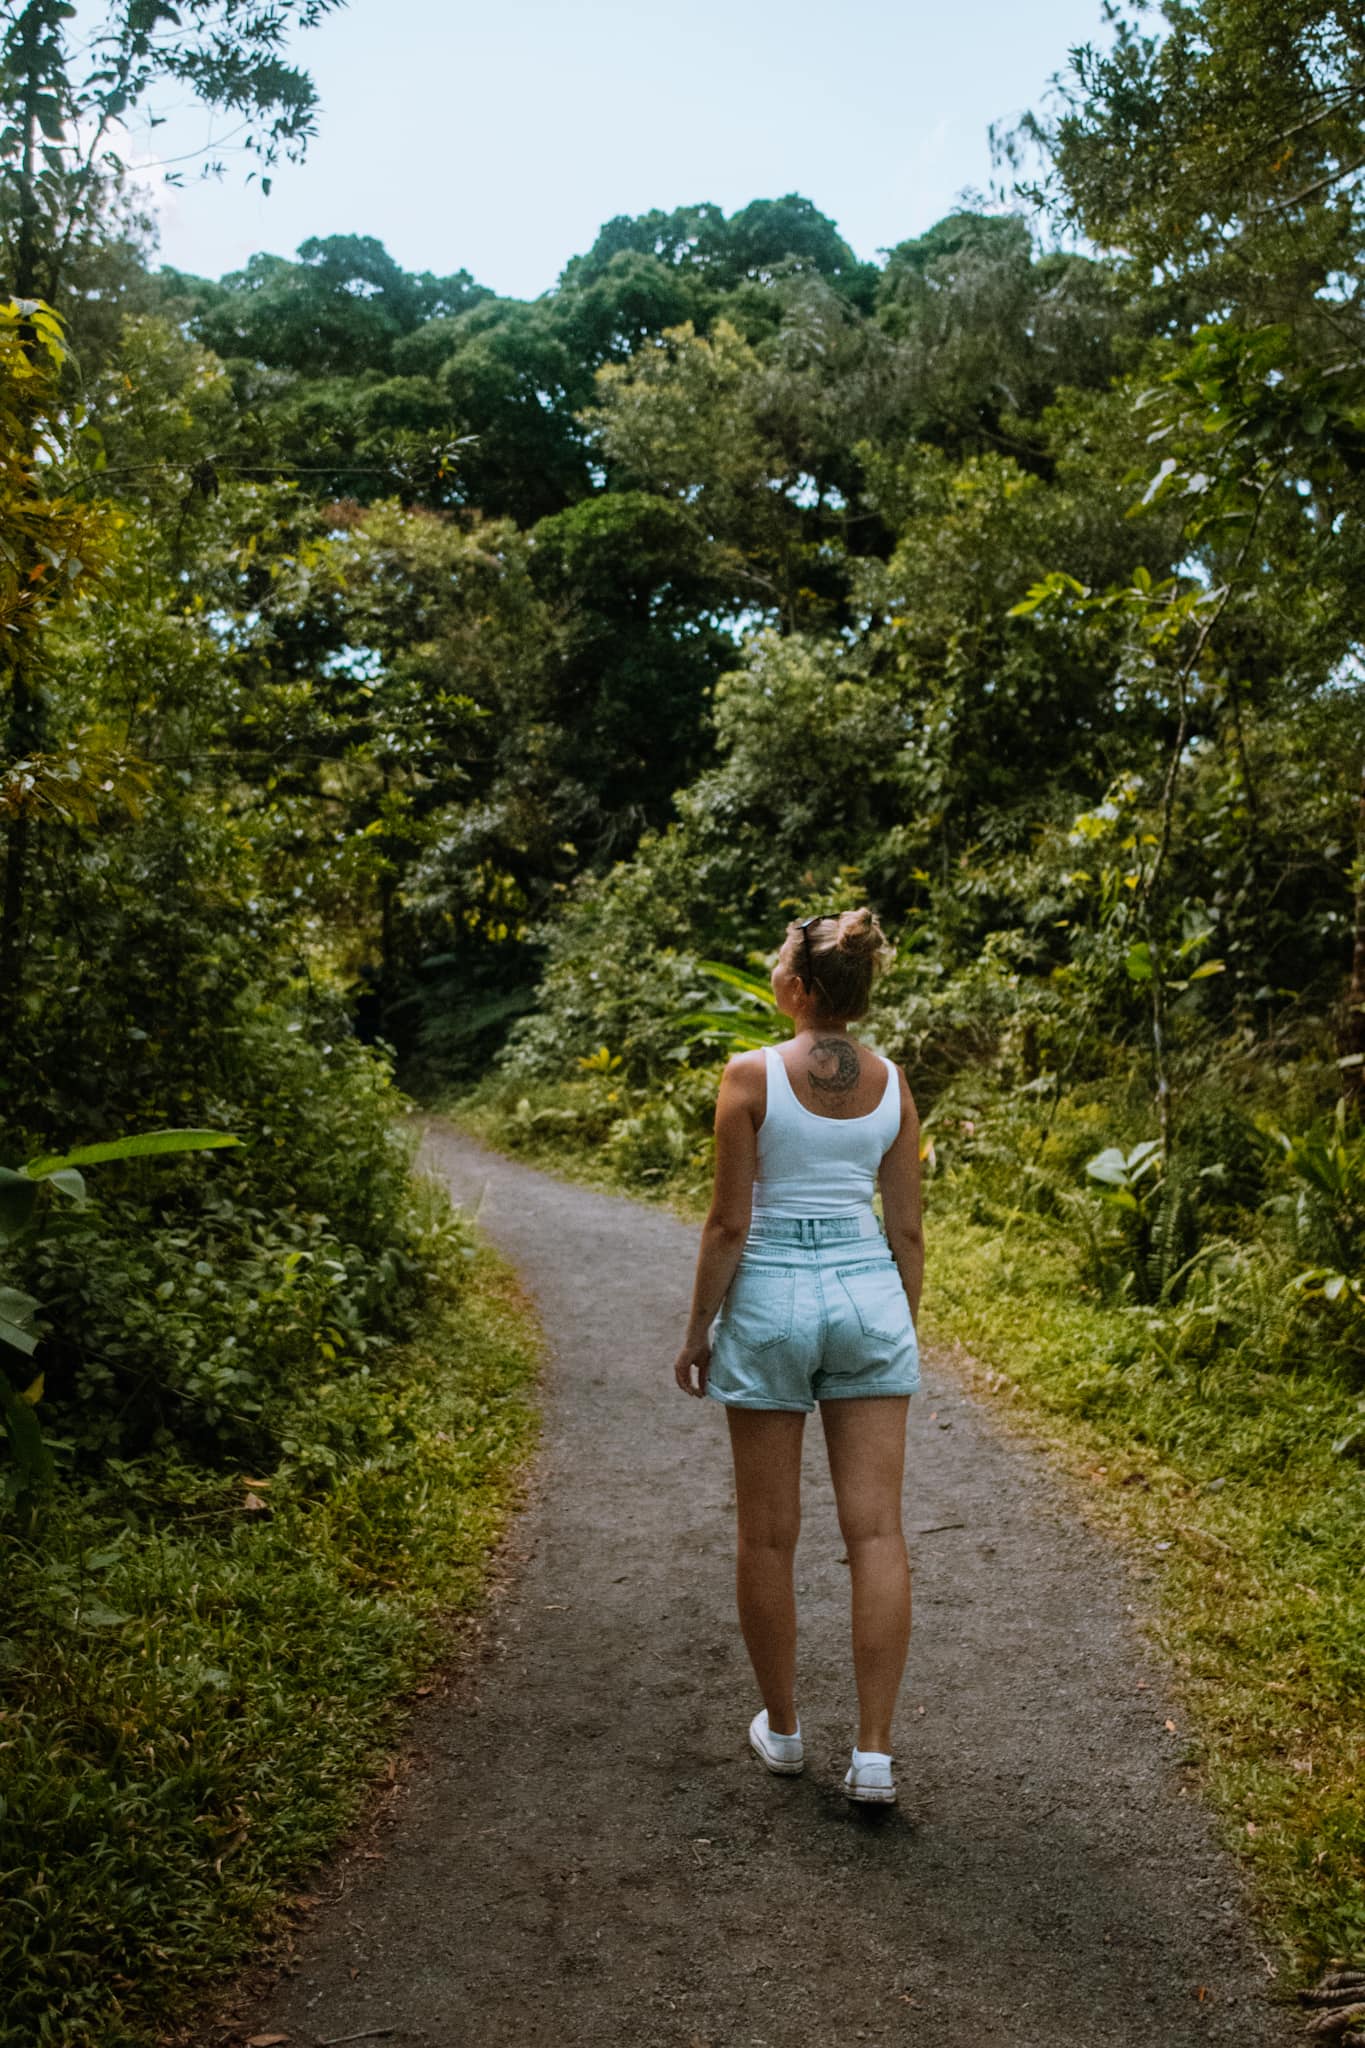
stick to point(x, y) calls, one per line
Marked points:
point(858, 1393)
point(771, 1407)
point(861, 1393)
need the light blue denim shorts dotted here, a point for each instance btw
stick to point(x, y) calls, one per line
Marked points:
point(816, 1312)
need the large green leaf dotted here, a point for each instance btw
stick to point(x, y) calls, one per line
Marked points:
point(1109, 1166)
point(733, 1027)
point(16, 1336)
point(142, 1145)
point(735, 977)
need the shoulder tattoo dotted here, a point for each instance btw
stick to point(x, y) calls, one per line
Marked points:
point(833, 1066)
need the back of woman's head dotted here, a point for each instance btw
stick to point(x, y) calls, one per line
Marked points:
point(847, 951)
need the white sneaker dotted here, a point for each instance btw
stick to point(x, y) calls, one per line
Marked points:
point(784, 1754)
point(869, 1778)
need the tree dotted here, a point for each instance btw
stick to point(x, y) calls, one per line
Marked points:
point(689, 419)
point(1222, 152)
point(988, 331)
point(61, 103)
point(338, 310)
point(63, 96)
point(1223, 159)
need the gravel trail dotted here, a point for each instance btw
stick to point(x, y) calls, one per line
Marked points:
point(588, 1854)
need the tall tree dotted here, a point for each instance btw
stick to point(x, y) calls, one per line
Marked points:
point(63, 99)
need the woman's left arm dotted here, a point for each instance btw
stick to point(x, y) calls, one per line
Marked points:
point(727, 1223)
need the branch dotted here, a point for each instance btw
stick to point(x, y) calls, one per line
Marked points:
point(1319, 185)
point(1186, 670)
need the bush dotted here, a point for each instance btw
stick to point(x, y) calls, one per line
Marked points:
point(197, 1301)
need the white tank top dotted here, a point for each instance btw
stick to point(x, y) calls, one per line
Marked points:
point(812, 1165)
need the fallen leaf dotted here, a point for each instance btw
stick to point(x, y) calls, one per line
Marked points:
point(253, 1505)
point(1170, 1727)
point(265, 2040)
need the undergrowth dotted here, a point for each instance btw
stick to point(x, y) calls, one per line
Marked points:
point(201, 1668)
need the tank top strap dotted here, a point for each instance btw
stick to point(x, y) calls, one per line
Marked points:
point(781, 1094)
point(891, 1101)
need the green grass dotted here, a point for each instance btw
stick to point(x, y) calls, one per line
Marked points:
point(195, 1692)
point(1222, 1480)
point(1226, 1483)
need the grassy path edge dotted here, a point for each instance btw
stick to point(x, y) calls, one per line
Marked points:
point(175, 1778)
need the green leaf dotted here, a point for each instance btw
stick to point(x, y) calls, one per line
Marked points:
point(1139, 962)
point(735, 977)
point(1153, 487)
point(143, 1145)
point(737, 1028)
point(1209, 967)
point(1109, 1166)
point(97, 1614)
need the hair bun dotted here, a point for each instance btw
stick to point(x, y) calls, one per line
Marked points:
point(859, 933)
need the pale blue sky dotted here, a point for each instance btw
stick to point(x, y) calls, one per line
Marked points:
point(498, 141)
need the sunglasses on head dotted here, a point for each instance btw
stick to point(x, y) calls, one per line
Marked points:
point(807, 974)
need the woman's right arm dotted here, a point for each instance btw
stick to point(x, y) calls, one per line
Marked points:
point(727, 1224)
point(899, 1180)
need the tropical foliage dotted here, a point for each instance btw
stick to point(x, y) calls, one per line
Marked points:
point(409, 689)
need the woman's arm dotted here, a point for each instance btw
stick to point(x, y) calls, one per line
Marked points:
point(899, 1180)
point(727, 1223)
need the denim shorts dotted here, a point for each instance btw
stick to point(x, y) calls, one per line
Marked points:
point(816, 1312)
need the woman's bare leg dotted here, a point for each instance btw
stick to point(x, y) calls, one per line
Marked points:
point(865, 1440)
point(766, 1444)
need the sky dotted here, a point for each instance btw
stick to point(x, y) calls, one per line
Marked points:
point(498, 140)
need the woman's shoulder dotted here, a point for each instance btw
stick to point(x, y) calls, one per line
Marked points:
point(746, 1072)
point(745, 1080)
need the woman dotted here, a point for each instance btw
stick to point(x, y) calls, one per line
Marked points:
point(815, 1304)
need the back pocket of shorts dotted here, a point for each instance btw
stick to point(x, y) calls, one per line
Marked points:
point(760, 1307)
point(877, 1296)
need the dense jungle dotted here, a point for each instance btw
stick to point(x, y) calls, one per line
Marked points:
point(413, 695)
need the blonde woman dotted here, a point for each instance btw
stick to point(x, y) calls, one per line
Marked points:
point(811, 1301)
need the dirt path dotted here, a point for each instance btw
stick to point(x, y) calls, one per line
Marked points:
point(590, 1855)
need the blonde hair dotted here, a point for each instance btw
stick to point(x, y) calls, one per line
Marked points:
point(847, 950)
